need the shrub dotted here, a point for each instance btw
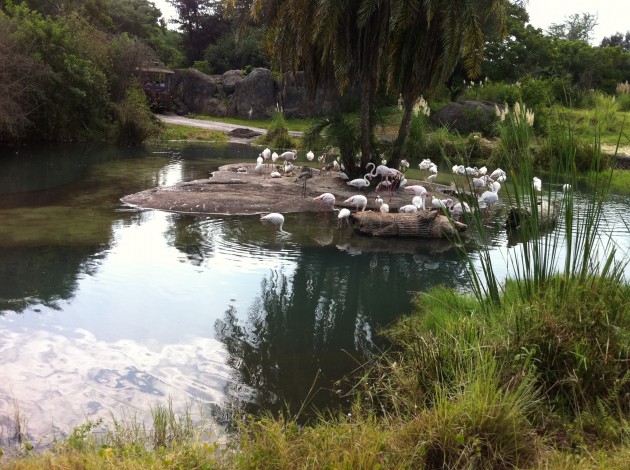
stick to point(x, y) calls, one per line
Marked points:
point(498, 92)
point(278, 134)
point(623, 102)
point(134, 120)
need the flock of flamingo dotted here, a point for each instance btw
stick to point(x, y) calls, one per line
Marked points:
point(485, 186)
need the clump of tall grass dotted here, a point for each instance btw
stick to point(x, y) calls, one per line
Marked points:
point(277, 135)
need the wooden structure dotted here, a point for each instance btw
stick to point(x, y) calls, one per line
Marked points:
point(422, 224)
point(155, 79)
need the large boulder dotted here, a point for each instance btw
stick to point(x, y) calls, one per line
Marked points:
point(467, 116)
point(254, 96)
point(229, 81)
point(197, 91)
point(296, 102)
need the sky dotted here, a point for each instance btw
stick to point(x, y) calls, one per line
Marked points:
point(613, 15)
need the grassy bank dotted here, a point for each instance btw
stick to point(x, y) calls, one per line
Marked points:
point(188, 133)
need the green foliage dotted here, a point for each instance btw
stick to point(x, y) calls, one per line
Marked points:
point(73, 90)
point(417, 139)
point(497, 92)
point(340, 131)
point(79, 74)
point(135, 122)
point(236, 51)
point(277, 135)
point(623, 102)
point(176, 132)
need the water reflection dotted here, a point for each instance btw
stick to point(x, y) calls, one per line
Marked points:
point(118, 308)
point(306, 330)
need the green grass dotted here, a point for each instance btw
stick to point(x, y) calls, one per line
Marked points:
point(300, 125)
point(177, 132)
point(619, 183)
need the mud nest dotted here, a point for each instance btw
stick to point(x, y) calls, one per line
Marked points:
point(422, 224)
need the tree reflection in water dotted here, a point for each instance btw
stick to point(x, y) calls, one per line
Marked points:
point(306, 332)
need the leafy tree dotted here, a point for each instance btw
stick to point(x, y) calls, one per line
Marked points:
point(202, 22)
point(617, 39)
point(141, 19)
point(236, 50)
point(72, 90)
point(19, 75)
point(577, 27)
point(427, 39)
point(523, 51)
point(340, 40)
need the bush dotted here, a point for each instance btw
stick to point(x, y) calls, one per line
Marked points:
point(536, 93)
point(623, 102)
point(134, 121)
point(278, 134)
point(498, 92)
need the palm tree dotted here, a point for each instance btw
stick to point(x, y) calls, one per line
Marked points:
point(340, 40)
point(428, 37)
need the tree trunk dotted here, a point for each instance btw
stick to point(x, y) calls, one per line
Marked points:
point(366, 123)
point(403, 133)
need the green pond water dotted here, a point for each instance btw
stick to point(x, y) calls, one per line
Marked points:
point(107, 310)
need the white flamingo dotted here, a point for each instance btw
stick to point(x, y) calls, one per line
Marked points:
point(276, 219)
point(266, 154)
point(537, 184)
point(498, 175)
point(417, 189)
point(343, 214)
point(289, 155)
point(443, 204)
point(425, 164)
point(310, 155)
point(419, 201)
point(408, 209)
point(275, 174)
point(360, 182)
point(478, 183)
point(357, 201)
point(327, 199)
point(459, 169)
point(488, 198)
point(459, 209)
point(274, 157)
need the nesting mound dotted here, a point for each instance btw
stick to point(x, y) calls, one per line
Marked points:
point(519, 216)
point(422, 224)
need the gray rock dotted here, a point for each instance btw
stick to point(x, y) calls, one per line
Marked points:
point(243, 133)
point(467, 116)
point(255, 96)
point(229, 81)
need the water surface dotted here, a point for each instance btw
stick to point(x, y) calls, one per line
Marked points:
point(107, 311)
